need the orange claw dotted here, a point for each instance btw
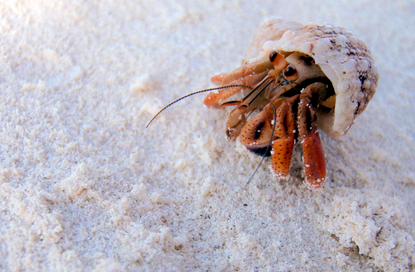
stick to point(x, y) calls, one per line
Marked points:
point(213, 98)
point(252, 68)
point(249, 75)
point(314, 160)
point(282, 147)
point(219, 79)
point(282, 150)
point(257, 132)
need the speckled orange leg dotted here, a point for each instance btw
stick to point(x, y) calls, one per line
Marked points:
point(282, 147)
point(238, 116)
point(314, 159)
point(257, 133)
point(282, 151)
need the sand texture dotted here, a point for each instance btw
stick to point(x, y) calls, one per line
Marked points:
point(85, 187)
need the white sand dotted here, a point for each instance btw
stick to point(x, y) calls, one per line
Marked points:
point(84, 186)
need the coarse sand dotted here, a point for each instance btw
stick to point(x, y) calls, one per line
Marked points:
point(85, 187)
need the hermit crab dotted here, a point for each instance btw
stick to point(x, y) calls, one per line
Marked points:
point(299, 78)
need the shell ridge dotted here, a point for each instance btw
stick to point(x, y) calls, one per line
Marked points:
point(345, 60)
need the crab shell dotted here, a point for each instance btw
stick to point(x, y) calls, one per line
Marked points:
point(344, 59)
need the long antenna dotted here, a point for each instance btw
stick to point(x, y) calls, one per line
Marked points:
point(269, 145)
point(197, 92)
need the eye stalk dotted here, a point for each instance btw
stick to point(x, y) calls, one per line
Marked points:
point(277, 60)
point(290, 73)
point(272, 56)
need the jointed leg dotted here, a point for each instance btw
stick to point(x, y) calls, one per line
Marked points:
point(250, 75)
point(314, 159)
point(282, 147)
point(257, 132)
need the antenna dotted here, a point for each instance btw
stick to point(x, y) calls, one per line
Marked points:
point(197, 92)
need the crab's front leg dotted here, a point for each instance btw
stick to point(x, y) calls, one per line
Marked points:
point(249, 75)
point(260, 95)
point(314, 159)
point(257, 133)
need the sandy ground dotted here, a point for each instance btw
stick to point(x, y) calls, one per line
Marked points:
point(84, 186)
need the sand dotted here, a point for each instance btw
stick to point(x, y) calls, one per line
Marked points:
point(84, 186)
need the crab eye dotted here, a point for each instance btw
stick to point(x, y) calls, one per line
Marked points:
point(273, 55)
point(277, 60)
point(290, 73)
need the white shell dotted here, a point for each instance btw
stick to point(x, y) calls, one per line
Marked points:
point(344, 59)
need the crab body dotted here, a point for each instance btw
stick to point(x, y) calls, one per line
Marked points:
point(301, 78)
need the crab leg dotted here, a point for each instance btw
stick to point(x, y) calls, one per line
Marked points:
point(314, 159)
point(249, 74)
point(213, 99)
point(238, 116)
point(257, 132)
point(243, 71)
point(256, 98)
point(282, 147)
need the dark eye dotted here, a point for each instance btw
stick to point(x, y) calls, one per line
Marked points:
point(273, 55)
point(290, 73)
